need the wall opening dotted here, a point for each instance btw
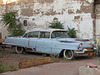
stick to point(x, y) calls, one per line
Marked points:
point(97, 1)
point(55, 19)
point(25, 22)
point(0, 35)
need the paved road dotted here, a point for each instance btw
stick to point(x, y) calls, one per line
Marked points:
point(61, 68)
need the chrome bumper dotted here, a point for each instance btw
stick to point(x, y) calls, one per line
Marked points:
point(85, 51)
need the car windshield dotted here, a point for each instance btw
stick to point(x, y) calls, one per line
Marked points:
point(59, 34)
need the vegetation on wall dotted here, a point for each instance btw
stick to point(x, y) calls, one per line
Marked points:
point(9, 20)
point(57, 25)
point(71, 32)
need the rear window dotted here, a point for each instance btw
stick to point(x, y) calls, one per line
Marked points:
point(32, 34)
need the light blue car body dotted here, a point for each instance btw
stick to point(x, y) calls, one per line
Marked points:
point(50, 45)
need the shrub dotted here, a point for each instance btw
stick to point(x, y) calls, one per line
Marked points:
point(71, 32)
point(57, 25)
point(54, 57)
point(6, 67)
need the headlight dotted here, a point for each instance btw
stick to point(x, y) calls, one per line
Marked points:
point(90, 43)
point(80, 46)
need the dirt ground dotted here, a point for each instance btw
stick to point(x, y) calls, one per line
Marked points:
point(10, 56)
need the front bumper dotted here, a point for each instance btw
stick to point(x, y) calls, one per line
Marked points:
point(85, 52)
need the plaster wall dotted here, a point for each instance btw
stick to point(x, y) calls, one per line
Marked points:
point(78, 14)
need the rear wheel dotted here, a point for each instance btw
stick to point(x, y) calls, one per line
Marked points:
point(19, 50)
point(68, 54)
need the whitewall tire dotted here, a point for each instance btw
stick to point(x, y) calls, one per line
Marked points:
point(19, 50)
point(68, 54)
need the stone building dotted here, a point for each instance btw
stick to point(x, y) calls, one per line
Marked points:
point(83, 15)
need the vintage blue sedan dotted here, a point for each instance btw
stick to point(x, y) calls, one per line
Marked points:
point(52, 41)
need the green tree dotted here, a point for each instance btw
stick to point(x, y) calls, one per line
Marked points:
point(9, 20)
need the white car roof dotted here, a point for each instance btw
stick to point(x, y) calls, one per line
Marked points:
point(44, 29)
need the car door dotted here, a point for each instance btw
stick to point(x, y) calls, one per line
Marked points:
point(43, 44)
point(33, 36)
point(24, 41)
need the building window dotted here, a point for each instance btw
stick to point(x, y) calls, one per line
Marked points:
point(25, 22)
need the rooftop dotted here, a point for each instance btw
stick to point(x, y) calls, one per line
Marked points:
point(44, 29)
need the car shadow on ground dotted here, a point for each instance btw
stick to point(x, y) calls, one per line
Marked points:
point(79, 58)
point(41, 55)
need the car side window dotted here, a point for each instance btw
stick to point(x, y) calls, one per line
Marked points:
point(44, 34)
point(33, 34)
point(52, 35)
point(60, 34)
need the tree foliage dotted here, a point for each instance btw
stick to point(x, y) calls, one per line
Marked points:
point(57, 25)
point(9, 20)
point(71, 32)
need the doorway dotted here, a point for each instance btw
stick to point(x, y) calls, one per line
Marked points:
point(0, 35)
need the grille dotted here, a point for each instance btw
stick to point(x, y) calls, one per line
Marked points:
point(89, 48)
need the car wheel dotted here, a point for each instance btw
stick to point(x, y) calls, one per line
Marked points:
point(68, 54)
point(19, 50)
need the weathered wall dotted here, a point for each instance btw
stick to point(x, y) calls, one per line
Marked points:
point(3, 30)
point(98, 20)
point(39, 13)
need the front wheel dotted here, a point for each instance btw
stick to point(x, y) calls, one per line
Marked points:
point(68, 54)
point(19, 50)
